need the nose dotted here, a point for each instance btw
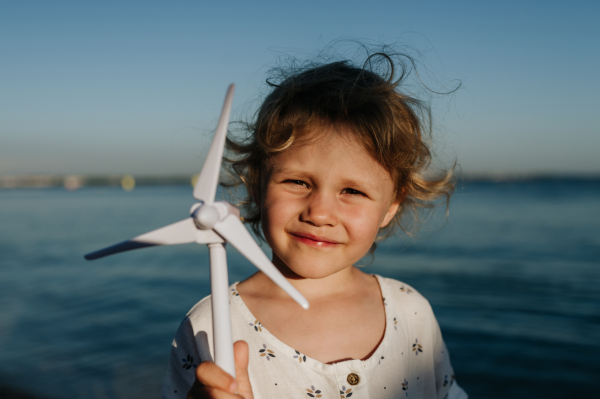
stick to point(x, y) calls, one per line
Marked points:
point(320, 210)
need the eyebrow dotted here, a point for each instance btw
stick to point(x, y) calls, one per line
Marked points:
point(274, 170)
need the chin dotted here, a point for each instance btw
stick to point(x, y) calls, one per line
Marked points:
point(315, 271)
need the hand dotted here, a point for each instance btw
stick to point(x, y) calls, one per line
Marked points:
point(214, 383)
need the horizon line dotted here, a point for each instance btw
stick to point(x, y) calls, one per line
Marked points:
point(129, 181)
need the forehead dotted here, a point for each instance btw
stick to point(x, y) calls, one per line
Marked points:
point(332, 154)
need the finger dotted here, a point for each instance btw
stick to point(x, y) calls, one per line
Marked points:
point(211, 375)
point(241, 356)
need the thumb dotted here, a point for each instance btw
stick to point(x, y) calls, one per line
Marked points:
point(240, 353)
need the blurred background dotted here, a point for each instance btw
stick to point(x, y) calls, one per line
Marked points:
point(106, 111)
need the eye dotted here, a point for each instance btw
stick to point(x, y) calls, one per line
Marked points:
point(297, 182)
point(352, 191)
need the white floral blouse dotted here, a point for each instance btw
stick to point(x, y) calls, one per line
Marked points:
point(411, 362)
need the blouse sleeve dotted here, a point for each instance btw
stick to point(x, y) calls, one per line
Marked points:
point(184, 359)
point(446, 386)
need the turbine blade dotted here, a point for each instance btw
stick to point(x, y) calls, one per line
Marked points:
point(206, 185)
point(234, 232)
point(180, 232)
point(115, 249)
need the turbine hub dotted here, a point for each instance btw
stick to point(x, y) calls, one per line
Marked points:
point(207, 215)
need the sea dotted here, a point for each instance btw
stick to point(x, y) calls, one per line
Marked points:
point(512, 271)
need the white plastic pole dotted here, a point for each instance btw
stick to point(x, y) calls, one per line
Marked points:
point(219, 287)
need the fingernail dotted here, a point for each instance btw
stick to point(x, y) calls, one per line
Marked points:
point(233, 387)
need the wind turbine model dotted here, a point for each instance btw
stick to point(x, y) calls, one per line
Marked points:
point(213, 223)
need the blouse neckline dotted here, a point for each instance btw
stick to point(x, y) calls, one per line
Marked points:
point(323, 368)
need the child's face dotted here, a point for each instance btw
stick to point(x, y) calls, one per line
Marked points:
point(323, 204)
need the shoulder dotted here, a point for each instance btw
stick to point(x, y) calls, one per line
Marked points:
point(201, 313)
point(195, 333)
point(399, 295)
point(396, 288)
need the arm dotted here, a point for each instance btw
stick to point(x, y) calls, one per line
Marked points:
point(446, 386)
point(184, 359)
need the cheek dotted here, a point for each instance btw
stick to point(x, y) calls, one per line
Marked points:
point(276, 212)
point(363, 224)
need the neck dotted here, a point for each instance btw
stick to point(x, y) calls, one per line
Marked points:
point(319, 288)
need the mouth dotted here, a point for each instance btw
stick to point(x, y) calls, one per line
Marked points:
point(314, 241)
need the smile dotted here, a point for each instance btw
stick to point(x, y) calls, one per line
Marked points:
point(314, 241)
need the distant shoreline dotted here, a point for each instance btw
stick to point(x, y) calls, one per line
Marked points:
point(129, 182)
point(74, 182)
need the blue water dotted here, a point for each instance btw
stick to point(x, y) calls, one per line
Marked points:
point(513, 276)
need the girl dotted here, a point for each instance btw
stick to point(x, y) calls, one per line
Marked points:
point(333, 162)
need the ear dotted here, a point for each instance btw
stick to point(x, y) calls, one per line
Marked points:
point(391, 212)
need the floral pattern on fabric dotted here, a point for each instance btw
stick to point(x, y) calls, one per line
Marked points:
point(266, 353)
point(345, 393)
point(417, 347)
point(257, 326)
point(404, 289)
point(314, 393)
point(301, 358)
point(188, 363)
point(386, 374)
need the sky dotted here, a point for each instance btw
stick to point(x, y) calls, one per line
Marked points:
point(136, 87)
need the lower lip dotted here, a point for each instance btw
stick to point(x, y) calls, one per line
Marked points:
point(314, 243)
